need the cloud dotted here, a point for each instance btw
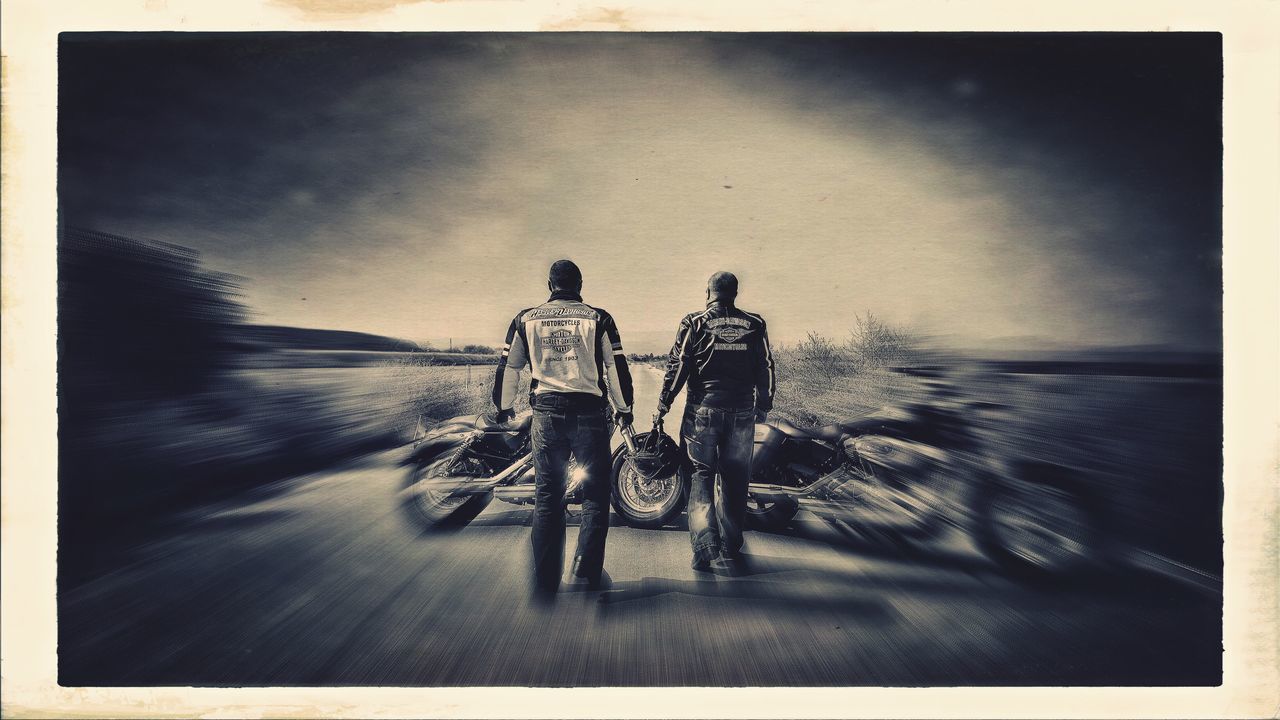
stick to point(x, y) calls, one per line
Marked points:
point(421, 186)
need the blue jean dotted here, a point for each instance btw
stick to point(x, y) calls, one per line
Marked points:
point(557, 433)
point(718, 441)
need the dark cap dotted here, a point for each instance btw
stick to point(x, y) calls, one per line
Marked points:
point(723, 283)
point(565, 274)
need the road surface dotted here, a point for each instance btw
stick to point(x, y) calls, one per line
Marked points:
point(321, 580)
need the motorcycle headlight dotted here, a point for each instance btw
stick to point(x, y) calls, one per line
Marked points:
point(576, 476)
point(850, 449)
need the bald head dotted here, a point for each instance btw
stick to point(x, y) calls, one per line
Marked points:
point(722, 286)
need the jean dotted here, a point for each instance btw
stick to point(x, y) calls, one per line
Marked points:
point(558, 432)
point(718, 441)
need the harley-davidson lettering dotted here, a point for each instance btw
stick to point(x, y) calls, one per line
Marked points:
point(561, 341)
point(721, 322)
point(558, 312)
point(729, 330)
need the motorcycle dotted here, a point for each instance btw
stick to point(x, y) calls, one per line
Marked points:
point(909, 475)
point(464, 463)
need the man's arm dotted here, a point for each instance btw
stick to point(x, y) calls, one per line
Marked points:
point(765, 380)
point(617, 374)
point(506, 380)
point(679, 365)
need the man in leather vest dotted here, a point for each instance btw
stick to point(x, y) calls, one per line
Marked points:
point(723, 353)
point(576, 360)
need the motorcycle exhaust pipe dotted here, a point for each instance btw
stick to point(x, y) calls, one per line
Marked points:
point(514, 494)
point(773, 492)
point(461, 485)
point(768, 490)
point(468, 485)
point(805, 495)
point(515, 468)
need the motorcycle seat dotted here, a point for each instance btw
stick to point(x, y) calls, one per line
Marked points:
point(830, 433)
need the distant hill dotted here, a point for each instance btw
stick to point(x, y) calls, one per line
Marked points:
point(280, 337)
point(634, 341)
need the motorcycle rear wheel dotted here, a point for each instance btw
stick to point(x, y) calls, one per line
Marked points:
point(645, 502)
point(770, 515)
point(432, 509)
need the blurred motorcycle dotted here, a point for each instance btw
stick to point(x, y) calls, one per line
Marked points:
point(458, 467)
point(910, 475)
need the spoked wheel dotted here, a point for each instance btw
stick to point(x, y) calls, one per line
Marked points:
point(429, 502)
point(645, 502)
point(1041, 530)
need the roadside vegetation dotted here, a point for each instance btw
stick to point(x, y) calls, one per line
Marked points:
point(659, 359)
point(821, 380)
point(470, 349)
point(167, 397)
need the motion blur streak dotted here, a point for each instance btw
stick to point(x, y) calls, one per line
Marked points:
point(317, 579)
point(1034, 219)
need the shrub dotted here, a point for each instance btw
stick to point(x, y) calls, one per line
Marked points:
point(818, 355)
point(478, 350)
point(875, 344)
point(651, 358)
point(820, 382)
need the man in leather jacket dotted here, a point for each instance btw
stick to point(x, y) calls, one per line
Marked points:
point(723, 353)
point(576, 360)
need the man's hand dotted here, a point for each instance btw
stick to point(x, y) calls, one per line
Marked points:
point(661, 413)
point(504, 416)
point(624, 417)
point(761, 415)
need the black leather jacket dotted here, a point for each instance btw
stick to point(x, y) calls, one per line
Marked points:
point(723, 353)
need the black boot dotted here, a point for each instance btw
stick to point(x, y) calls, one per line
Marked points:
point(596, 581)
point(702, 559)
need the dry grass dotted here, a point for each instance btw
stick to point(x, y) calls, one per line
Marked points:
point(416, 389)
point(821, 382)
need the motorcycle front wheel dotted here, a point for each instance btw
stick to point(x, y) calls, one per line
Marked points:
point(431, 508)
point(645, 502)
point(1041, 528)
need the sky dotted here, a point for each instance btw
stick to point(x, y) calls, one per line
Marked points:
point(979, 189)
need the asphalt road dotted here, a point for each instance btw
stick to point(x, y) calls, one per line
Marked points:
point(321, 580)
